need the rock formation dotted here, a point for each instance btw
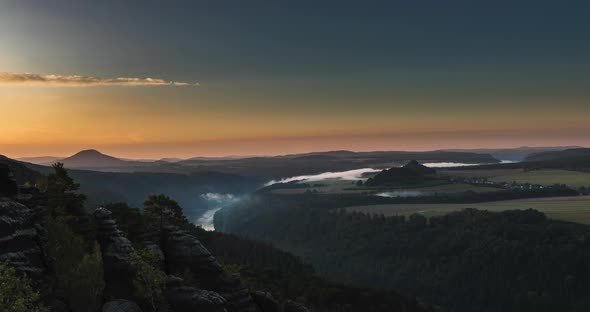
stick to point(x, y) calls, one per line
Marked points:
point(8, 186)
point(19, 239)
point(265, 301)
point(121, 305)
point(203, 285)
point(116, 251)
point(292, 306)
point(185, 298)
point(188, 258)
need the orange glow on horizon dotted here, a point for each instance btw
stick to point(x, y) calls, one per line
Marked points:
point(145, 123)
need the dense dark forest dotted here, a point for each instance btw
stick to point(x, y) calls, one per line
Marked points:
point(466, 261)
point(262, 266)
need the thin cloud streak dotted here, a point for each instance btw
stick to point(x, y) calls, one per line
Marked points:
point(27, 79)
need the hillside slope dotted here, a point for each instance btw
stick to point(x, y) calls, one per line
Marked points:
point(576, 153)
point(467, 261)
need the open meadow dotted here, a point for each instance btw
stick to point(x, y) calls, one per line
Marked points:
point(574, 209)
point(547, 177)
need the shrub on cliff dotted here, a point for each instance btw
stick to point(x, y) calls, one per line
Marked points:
point(86, 283)
point(79, 275)
point(148, 281)
point(161, 210)
point(16, 292)
point(62, 195)
point(129, 219)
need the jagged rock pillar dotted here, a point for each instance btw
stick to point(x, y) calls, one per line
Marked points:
point(116, 253)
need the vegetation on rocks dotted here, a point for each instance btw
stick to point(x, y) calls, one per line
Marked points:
point(16, 292)
point(149, 282)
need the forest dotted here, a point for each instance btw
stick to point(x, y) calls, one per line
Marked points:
point(465, 261)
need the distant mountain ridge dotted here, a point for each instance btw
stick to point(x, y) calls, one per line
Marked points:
point(21, 171)
point(556, 155)
point(270, 166)
point(515, 154)
point(93, 159)
point(41, 160)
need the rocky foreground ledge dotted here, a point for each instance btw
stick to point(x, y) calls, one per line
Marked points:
point(204, 285)
point(195, 280)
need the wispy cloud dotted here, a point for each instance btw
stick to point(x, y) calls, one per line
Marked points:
point(27, 79)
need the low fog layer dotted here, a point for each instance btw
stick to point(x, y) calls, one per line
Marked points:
point(216, 201)
point(401, 194)
point(349, 175)
point(356, 174)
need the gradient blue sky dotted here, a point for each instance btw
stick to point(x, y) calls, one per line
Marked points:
point(292, 76)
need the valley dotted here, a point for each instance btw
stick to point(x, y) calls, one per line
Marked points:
point(294, 156)
point(376, 227)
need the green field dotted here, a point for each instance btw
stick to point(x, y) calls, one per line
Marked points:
point(454, 188)
point(547, 177)
point(336, 187)
point(574, 209)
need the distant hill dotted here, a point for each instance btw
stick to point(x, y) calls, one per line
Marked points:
point(318, 162)
point(170, 160)
point(560, 155)
point(22, 173)
point(93, 159)
point(514, 154)
point(577, 159)
point(411, 173)
point(41, 160)
point(103, 187)
point(271, 167)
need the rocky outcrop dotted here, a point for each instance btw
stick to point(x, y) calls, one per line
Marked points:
point(188, 299)
point(292, 306)
point(116, 252)
point(265, 301)
point(121, 305)
point(8, 186)
point(195, 281)
point(188, 258)
point(18, 239)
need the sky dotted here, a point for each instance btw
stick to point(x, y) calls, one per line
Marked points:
point(152, 79)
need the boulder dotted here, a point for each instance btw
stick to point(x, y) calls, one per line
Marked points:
point(121, 305)
point(188, 258)
point(292, 306)
point(116, 253)
point(189, 299)
point(265, 301)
